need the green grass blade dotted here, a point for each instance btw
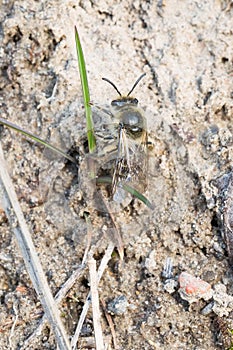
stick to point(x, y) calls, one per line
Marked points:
point(36, 138)
point(86, 94)
point(138, 195)
point(129, 189)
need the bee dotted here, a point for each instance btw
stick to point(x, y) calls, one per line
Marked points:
point(127, 163)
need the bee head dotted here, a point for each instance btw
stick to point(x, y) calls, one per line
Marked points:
point(124, 100)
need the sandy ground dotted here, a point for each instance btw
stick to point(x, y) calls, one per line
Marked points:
point(185, 47)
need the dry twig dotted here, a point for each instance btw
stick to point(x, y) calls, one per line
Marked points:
point(58, 298)
point(32, 262)
point(110, 322)
point(95, 304)
point(102, 267)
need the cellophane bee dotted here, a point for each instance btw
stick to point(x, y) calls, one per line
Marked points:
point(121, 150)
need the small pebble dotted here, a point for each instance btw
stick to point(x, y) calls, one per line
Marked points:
point(150, 262)
point(193, 288)
point(207, 309)
point(118, 306)
point(170, 285)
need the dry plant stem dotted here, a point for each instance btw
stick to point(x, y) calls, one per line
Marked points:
point(110, 322)
point(15, 308)
point(64, 289)
point(61, 294)
point(58, 298)
point(11, 205)
point(95, 304)
point(102, 267)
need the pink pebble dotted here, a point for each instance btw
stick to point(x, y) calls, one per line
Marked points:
point(193, 287)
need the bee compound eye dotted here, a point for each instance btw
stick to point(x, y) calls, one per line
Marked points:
point(134, 101)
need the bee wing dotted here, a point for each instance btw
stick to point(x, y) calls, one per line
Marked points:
point(131, 162)
point(122, 165)
point(139, 162)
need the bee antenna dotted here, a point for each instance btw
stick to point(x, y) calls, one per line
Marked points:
point(136, 83)
point(110, 82)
